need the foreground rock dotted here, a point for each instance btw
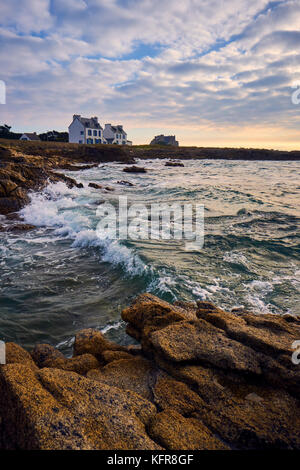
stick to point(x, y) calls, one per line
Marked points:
point(203, 378)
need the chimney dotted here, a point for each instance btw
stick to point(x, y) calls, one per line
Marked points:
point(107, 125)
point(95, 118)
point(76, 116)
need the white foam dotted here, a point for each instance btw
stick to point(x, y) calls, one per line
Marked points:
point(261, 286)
point(163, 284)
point(114, 326)
point(236, 257)
point(258, 304)
point(51, 209)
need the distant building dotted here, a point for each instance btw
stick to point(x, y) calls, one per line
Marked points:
point(85, 131)
point(30, 136)
point(115, 135)
point(164, 140)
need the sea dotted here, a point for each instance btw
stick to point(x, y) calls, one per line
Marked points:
point(63, 276)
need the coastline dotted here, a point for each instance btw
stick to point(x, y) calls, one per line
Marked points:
point(202, 378)
point(27, 166)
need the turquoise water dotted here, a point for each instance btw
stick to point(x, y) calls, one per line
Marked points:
point(61, 278)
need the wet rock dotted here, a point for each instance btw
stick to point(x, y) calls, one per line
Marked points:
point(128, 161)
point(93, 342)
point(95, 186)
point(134, 169)
point(99, 186)
point(20, 227)
point(125, 183)
point(174, 164)
point(45, 355)
point(11, 204)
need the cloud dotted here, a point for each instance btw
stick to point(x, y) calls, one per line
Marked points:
point(150, 63)
point(26, 17)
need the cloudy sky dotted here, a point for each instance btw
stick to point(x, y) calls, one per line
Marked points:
point(213, 72)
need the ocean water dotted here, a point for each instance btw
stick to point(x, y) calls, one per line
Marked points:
point(61, 277)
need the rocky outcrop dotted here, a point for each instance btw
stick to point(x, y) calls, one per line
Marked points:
point(18, 178)
point(203, 378)
point(26, 166)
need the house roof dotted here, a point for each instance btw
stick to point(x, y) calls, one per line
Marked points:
point(118, 129)
point(91, 123)
point(32, 135)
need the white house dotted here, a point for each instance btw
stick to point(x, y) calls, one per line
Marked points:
point(115, 134)
point(85, 131)
point(30, 136)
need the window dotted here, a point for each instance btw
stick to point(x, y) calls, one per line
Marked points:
point(95, 133)
point(89, 132)
point(80, 141)
point(81, 132)
point(99, 133)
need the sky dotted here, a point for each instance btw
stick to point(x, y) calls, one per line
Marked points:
point(214, 73)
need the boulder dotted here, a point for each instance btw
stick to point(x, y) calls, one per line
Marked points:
point(173, 431)
point(174, 164)
point(201, 342)
point(133, 374)
point(14, 354)
point(11, 204)
point(53, 409)
point(134, 169)
point(45, 355)
point(125, 183)
point(110, 356)
point(93, 342)
point(203, 378)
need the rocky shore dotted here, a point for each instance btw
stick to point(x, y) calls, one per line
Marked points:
point(28, 166)
point(201, 378)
